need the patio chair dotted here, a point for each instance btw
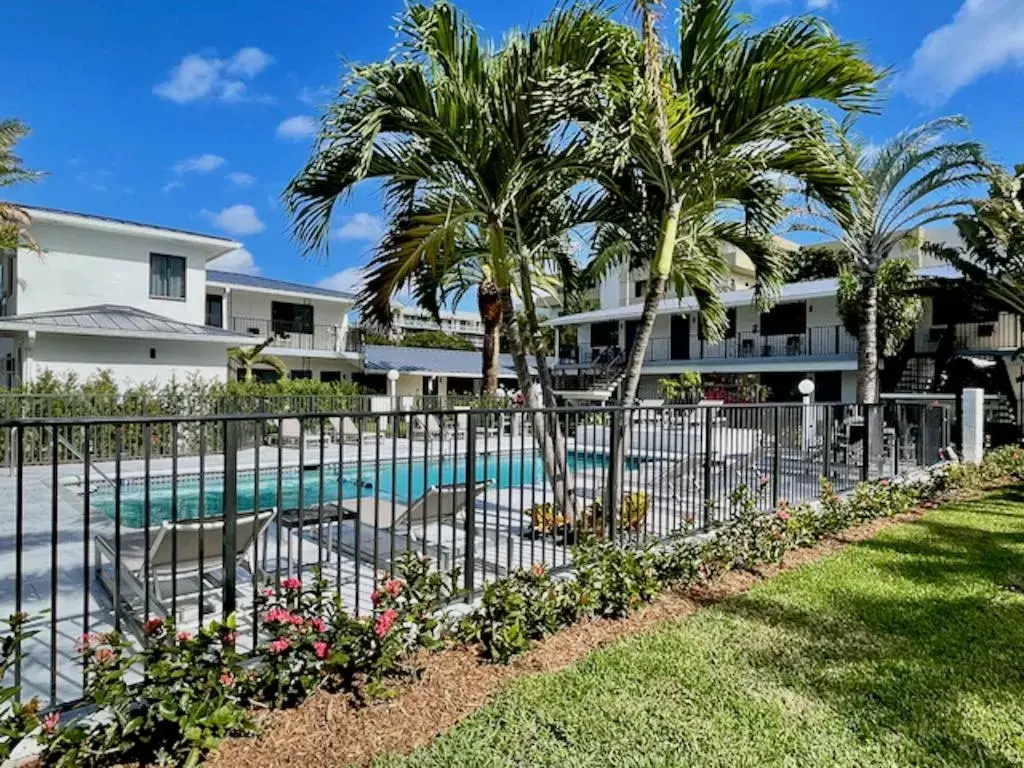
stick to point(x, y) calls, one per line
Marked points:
point(348, 431)
point(291, 434)
point(462, 423)
point(181, 556)
point(404, 525)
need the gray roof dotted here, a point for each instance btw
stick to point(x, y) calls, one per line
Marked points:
point(253, 281)
point(381, 359)
point(116, 320)
point(128, 222)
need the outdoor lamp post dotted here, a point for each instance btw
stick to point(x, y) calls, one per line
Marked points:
point(809, 431)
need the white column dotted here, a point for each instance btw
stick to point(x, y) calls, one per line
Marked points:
point(558, 339)
point(973, 422)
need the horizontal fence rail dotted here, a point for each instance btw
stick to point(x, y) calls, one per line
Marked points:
point(131, 526)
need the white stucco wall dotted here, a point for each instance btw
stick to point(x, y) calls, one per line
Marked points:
point(127, 359)
point(245, 304)
point(82, 267)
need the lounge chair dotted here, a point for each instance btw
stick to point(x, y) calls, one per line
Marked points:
point(348, 431)
point(292, 433)
point(425, 424)
point(406, 525)
point(190, 551)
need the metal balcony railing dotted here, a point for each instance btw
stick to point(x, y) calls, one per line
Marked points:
point(320, 337)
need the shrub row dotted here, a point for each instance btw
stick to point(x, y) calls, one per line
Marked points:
point(197, 688)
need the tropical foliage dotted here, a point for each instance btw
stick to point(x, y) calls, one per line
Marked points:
point(246, 359)
point(14, 221)
point(899, 304)
point(915, 179)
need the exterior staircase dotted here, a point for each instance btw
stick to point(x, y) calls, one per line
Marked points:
point(597, 380)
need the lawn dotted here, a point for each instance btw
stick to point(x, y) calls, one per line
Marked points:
point(907, 649)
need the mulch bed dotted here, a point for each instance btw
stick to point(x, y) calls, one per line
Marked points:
point(330, 731)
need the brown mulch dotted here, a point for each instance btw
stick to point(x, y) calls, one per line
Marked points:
point(329, 731)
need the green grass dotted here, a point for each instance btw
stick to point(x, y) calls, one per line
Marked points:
point(904, 650)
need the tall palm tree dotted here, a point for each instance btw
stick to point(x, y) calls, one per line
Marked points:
point(471, 163)
point(14, 221)
point(247, 358)
point(727, 113)
point(914, 180)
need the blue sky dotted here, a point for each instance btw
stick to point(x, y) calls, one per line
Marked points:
point(195, 114)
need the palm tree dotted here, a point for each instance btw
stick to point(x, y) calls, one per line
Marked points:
point(475, 172)
point(914, 180)
point(716, 122)
point(14, 221)
point(247, 358)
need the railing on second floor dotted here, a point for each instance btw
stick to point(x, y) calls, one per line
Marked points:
point(1001, 334)
point(326, 338)
point(828, 341)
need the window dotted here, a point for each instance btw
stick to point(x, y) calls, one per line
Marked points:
point(604, 334)
point(330, 377)
point(166, 276)
point(215, 310)
point(947, 312)
point(300, 374)
point(639, 289)
point(730, 325)
point(785, 319)
point(286, 317)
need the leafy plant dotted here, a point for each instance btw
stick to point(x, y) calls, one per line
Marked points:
point(17, 719)
point(615, 578)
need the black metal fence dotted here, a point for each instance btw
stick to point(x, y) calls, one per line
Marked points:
point(93, 545)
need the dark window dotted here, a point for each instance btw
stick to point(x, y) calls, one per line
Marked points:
point(330, 377)
point(166, 276)
point(946, 312)
point(300, 374)
point(639, 289)
point(260, 375)
point(286, 317)
point(730, 328)
point(215, 310)
point(604, 334)
point(785, 318)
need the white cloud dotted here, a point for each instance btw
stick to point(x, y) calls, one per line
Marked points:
point(296, 128)
point(983, 36)
point(349, 280)
point(360, 226)
point(199, 77)
point(757, 5)
point(237, 220)
point(314, 97)
point(97, 180)
point(819, 5)
point(172, 185)
point(240, 261)
point(199, 164)
point(241, 179)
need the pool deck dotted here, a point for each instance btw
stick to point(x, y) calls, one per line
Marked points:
point(59, 589)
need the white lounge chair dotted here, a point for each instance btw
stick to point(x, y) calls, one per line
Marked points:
point(348, 431)
point(405, 525)
point(292, 433)
point(187, 552)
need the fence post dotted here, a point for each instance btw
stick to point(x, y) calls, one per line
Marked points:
point(230, 513)
point(972, 425)
point(614, 472)
point(709, 446)
point(469, 558)
point(865, 459)
point(826, 459)
point(776, 454)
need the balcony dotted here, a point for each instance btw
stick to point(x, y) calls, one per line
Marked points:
point(324, 338)
point(1001, 334)
point(823, 342)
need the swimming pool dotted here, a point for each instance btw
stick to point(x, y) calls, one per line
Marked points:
point(401, 480)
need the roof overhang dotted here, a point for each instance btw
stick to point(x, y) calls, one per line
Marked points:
point(755, 365)
point(214, 246)
point(238, 288)
point(41, 328)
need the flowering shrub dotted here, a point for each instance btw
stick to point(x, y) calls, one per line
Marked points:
point(16, 719)
point(416, 592)
point(187, 700)
point(614, 579)
point(752, 537)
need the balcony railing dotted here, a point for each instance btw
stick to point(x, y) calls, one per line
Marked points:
point(824, 342)
point(325, 338)
point(1001, 334)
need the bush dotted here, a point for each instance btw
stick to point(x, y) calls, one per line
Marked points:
point(17, 720)
point(614, 578)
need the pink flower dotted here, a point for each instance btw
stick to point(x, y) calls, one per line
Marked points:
point(103, 655)
point(375, 598)
point(184, 637)
point(321, 649)
point(88, 640)
point(297, 621)
point(538, 569)
point(763, 481)
point(153, 626)
point(277, 616)
point(384, 622)
point(280, 646)
point(229, 639)
point(292, 583)
point(269, 592)
point(393, 587)
point(318, 624)
point(227, 680)
point(783, 515)
point(50, 722)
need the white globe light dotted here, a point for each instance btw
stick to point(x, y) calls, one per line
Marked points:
point(392, 375)
point(805, 387)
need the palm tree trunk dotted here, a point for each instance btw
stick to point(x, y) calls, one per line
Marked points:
point(544, 434)
point(867, 352)
point(489, 303)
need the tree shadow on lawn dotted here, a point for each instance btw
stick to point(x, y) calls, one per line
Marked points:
point(917, 638)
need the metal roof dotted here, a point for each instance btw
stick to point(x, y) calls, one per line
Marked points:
point(117, 320)
point(270, 284)
point(35, 209)
point(434, 362)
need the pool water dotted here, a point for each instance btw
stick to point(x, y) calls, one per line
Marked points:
point(400, 480)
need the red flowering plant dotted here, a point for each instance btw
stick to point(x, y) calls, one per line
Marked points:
point(417, 592)
point(170, 701)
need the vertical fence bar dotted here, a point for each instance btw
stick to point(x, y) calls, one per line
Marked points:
point(87, 533)
point(865, 459)
point(230, 515)
point(704, 413)
point(19, 540)
point(118, 445)
point(54, 543)
point(614, 472)
point(469, 561)
point(776, 453)
point(826, 457)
